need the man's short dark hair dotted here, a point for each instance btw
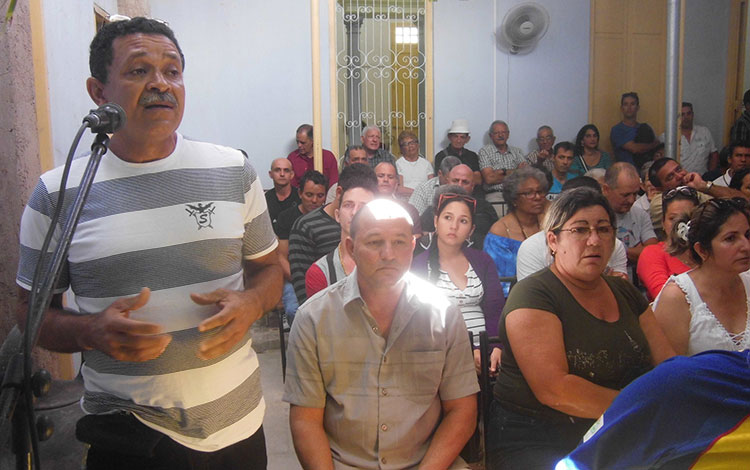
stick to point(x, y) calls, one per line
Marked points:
point(581, 182)
point(393, 165)
point(563, 145)
point(100, 51)
point(685, 104)
point(307, 129)
point(653, 172)
point(344, 160)
point(448, 164)
point(315, 176)
point(734, 145)
point(746, 97)
point(358, 175)
point(630, 94)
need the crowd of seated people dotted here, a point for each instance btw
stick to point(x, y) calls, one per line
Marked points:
point(381, 372)
point(591, 238)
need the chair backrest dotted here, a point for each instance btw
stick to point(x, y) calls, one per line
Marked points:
point(512, 280)
point(486, 382)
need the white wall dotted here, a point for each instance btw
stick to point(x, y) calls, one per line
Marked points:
point(705, 62)
point(68, 29)
point(477, 80)
point(550, 85)
point(464, 54)
point(247, 73)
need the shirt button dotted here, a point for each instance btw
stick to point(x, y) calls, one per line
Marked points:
point(384, 391)
point(375, 329)
point(383, 461)
point(385, 359)
point(384, 427)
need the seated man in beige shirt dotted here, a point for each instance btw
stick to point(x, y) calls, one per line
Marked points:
point(380, 371)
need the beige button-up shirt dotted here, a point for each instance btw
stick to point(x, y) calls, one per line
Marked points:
point(382, 396)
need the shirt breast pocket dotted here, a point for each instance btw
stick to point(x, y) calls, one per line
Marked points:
point(422, 372)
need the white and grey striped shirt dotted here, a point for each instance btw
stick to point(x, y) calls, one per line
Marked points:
point(468, 300)
point(177, 225)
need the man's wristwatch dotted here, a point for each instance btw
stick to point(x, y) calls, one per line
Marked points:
point(709, 185)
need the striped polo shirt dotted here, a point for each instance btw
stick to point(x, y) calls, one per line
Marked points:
point(313, 235)
point(177, 225)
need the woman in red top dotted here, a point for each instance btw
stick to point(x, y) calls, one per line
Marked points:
point(655, 265)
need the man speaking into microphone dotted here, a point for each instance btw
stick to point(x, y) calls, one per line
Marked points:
point(173, 260)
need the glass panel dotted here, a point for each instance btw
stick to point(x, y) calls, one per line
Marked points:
point(380, 69)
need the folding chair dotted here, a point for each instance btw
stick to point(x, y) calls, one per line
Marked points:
point(486, 383)
point(472, 451)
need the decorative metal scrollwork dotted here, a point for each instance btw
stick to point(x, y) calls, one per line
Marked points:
point(380, 75)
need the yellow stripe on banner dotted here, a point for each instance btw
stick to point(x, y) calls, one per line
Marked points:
point(732, 450)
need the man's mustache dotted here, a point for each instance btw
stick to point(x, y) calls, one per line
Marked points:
point(157, 97)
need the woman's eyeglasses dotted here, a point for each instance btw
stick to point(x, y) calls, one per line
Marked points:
point(448, 197)
point(532, 194)
point(604, 232)
point(681, 190)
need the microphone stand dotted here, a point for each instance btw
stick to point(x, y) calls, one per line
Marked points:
point(16, 402)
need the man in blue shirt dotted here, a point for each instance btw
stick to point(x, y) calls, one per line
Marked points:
point(623, 134)
point(561, 161)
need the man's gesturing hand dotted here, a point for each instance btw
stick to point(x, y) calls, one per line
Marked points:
point(115, 334)
point(239, 310)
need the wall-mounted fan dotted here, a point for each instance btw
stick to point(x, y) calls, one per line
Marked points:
point(523, 26)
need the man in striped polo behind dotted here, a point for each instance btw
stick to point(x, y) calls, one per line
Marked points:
point(173, 260)
point(317, 233)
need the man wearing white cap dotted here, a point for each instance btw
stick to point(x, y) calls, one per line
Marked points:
point(458, 135)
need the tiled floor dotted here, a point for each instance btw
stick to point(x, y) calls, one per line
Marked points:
point(279, 447)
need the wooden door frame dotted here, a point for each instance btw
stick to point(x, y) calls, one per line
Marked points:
point(735, 64)
point(429, 105)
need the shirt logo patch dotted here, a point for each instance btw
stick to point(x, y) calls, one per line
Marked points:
point(202, 214)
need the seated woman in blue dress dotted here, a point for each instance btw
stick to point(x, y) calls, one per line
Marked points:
point(524, 191)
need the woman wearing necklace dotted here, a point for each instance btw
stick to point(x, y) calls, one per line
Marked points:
point(707, 307)
point(524, 191)
point(573, 338)
point(588, 155)
point(466, 275)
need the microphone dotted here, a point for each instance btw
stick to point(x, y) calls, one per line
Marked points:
point(107, 118)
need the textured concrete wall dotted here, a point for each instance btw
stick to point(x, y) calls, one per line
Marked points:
point(19, 165)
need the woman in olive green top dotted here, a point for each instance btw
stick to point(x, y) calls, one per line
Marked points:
point(573, 339)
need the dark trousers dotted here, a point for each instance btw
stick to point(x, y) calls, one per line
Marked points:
point(521, 442)
point(145, 449)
